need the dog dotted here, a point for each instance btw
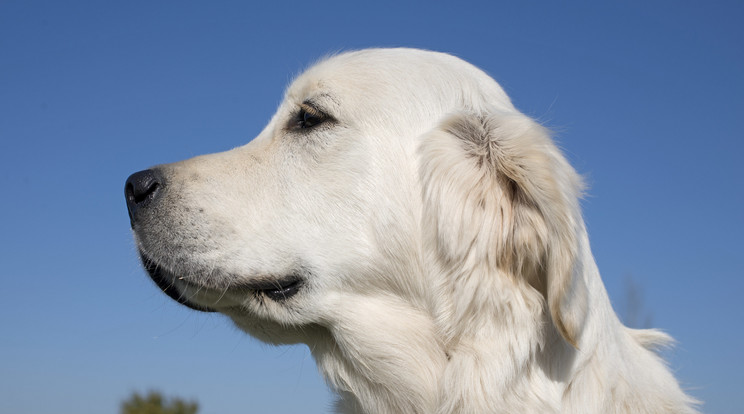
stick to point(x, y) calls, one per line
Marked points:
point(422, 236)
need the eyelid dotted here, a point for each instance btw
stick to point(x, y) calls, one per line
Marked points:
point(316, 111)
point(313, 110)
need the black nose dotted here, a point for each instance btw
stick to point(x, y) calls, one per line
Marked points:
point(141, 189)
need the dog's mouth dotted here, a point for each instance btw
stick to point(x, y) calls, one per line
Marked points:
point(275, 289)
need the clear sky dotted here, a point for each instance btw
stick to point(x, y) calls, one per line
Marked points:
point(646, 98)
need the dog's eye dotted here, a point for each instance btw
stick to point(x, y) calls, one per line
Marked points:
point(308, 118)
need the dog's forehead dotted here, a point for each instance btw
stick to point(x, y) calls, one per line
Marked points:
point(355, 73)
point(393, 73)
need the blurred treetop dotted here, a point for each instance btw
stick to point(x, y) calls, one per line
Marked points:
point(155, 403)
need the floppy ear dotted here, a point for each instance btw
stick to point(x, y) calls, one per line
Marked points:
point(498, 193)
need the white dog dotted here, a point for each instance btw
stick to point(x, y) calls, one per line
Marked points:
point(423, 237)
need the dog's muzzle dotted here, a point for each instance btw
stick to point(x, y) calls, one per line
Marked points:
point(142, 190)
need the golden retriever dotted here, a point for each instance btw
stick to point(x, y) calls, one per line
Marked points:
point(422, 236)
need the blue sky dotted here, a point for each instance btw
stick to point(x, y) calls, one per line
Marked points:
point(646, 98)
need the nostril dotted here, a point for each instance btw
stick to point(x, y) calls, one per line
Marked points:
point(140, 189)
point(140, 194)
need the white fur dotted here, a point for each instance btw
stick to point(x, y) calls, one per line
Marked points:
point(447, 267)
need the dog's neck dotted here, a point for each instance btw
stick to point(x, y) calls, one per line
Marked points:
point(383, 355)
point(482, 342)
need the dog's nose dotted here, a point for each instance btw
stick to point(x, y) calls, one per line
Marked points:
point(141, 189)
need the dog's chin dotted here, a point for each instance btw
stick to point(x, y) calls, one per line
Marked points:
point(167, 283)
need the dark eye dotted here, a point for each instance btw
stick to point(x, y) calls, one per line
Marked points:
point(309, 118)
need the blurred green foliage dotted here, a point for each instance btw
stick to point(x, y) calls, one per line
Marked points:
point(155, 403)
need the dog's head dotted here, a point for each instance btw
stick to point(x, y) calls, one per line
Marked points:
point(383, 174)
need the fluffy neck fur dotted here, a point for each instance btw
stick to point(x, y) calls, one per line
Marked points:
point(385, 356)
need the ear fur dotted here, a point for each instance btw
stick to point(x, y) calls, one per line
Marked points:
point(498, 193)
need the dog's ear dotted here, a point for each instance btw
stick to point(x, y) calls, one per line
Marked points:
point(498, 193)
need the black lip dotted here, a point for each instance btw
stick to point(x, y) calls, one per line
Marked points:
point(165, 283)
point(277, 289)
